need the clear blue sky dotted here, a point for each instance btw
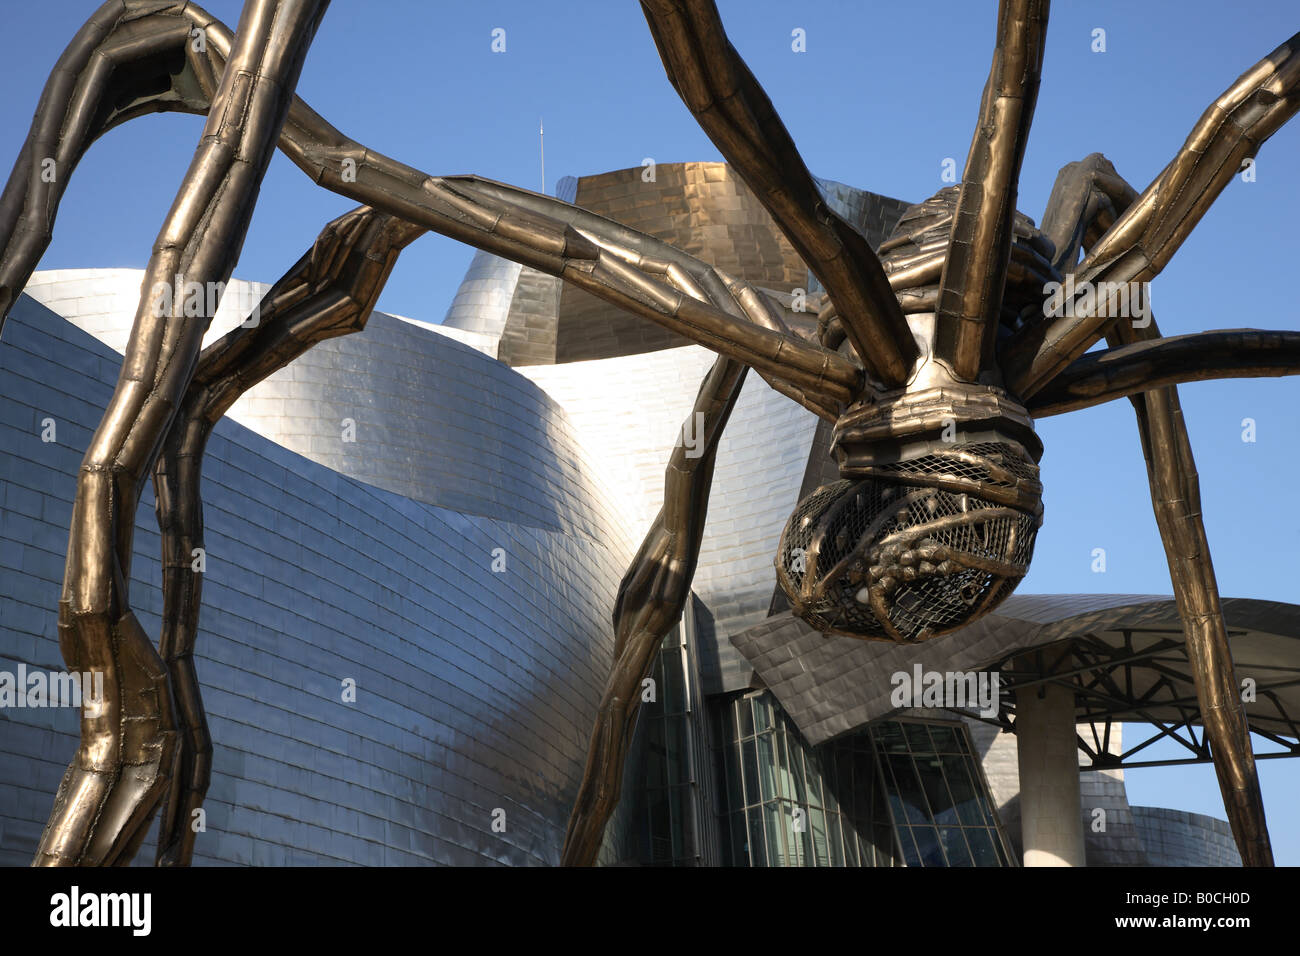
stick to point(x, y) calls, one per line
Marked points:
point(867, 106)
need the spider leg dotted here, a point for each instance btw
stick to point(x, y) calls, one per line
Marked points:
point(654, 591)
point(635, 271)
point(130, 58)
point(1147, 233)
point(628, 269)
point(329, 292)
point(1175, 493)
point(128, 739)
point(1140, 366)
point(684, 272)
point(731, 107)
point(979, 247)
point(650, 602)
point(1087, 199)
point(1096, 197)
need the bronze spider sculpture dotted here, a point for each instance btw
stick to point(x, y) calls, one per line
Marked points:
point(931, 361)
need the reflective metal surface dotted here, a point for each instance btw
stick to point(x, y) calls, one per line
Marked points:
point(475, 689)
point(831, 685)
point(906, 341)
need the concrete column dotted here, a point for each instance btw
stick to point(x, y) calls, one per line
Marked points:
point(1051, 818)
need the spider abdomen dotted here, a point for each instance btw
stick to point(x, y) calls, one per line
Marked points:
point(912, 556)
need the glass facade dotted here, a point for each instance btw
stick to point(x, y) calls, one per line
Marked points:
point(937, 795)
point(792, 805)
point(899, 792)
point(670, 830)
point(669, 779)
point(734, 782)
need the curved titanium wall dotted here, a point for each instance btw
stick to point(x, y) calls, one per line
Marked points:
point(475, 689)
point(1183, 838)
point(701, 208)
point(632, 408)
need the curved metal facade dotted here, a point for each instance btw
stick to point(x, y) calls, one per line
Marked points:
point(1182, 838)
point(475, 689)
point(701, 208)
point(632, 409)
point(482, 302)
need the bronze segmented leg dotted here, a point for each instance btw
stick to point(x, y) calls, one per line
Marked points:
point(650, 602)
point(134, 57)
point(1175, 492)
point(1097, 196)
point(1087, 199)
point(731, 107)
point(1138, 245)
point(629, 269)
point(329, 292)
point(128, 743)
point(131, 58)
point(1127, 370)
point(979, 249)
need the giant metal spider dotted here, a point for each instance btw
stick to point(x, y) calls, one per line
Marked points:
point(931, 362)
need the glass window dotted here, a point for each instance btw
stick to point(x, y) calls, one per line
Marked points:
point(776, 828)
point(910, 856)
point(731, 756)
point(927, 844)
point(851, 857)
point(784, 785)
point(909, 791)
point(816, 776)
point(936, 791)
point(848, 797)
point(793, 837)
point(817, 828)
point(749, 752)
point(661, 847)
point(833, 840)
point(656, 755)
point(807, 855)
point(900, 792)
point(767, 768)
point(884, 845)
point(889, 735)
point(668, 681)
point(954, 846)
point(918, 737)
point(969, 811)
point(945, 739)
point(864, 780)
point(796, 772)
point(745, 717)
point(757, 851)
point(981, 846)
point(740, 840)
point(678, 803)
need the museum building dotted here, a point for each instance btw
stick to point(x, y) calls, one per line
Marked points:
point(457, 557)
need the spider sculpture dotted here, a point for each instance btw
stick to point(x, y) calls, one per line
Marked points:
point(931, 360)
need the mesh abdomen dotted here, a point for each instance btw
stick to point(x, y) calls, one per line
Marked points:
point(930, 559)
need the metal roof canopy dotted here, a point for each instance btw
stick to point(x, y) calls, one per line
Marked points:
point(1123, 655)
